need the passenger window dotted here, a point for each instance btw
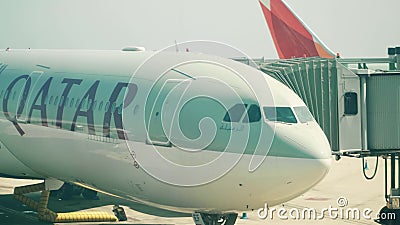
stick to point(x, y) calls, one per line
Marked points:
point(89, 103)
point(100, 105)
point(280, 114)
point(303, 114)
point(61, 101)
point(13, 97)
point(6, 95)
point(51, 100)
point(94, 104)
point(83, 104)
point(114, 105)
point(56, 101)
point(350, 103)
point(107, 106)
point(77, 103)
point(235, 113)
point(71, 104)
point(253, 114)
point(120, 109)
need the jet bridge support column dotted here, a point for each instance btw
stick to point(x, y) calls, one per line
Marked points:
point(390, 214)
point(392, 173)
point(363, 104)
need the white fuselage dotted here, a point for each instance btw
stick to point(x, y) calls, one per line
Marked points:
point(142, 148)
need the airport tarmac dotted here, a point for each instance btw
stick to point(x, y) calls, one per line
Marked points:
point(345, 181)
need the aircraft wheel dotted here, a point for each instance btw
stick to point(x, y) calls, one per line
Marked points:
point(66, 192)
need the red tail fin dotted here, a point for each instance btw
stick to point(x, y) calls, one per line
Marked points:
point(292, 38)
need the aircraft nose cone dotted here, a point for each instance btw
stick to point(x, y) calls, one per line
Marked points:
point(302, 155)
point(309, 142)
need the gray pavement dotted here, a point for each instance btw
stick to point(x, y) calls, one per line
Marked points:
point(345, 181)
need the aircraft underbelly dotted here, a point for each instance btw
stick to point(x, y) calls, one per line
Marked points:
point(109, 166)
point(12, 167)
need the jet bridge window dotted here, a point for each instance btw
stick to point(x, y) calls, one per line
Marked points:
point(280, 114)
point(350, 103)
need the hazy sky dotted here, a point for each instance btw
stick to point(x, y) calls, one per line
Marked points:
point(356, 28)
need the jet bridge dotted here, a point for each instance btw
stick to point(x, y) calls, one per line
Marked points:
point(357, 104)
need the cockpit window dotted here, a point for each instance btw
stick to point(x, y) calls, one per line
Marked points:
point(235, 113)
point(280, 114)
point(253, 114)
point(303, 114)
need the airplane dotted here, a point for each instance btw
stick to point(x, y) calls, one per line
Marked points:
point(182, 131)
point(291, 36)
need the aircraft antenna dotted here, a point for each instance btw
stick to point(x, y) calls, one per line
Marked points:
point(176, 46)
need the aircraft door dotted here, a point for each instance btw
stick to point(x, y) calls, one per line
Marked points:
point(162, 110)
